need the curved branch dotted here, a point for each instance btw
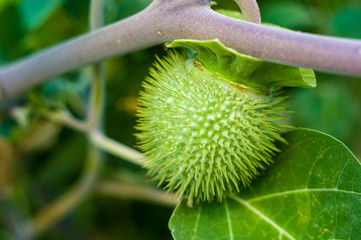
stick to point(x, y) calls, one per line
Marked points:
point(166, 20)
point(250, 10)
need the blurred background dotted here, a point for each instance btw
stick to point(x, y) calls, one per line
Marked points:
point(39, 159)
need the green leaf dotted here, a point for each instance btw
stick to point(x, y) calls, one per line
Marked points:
point(313, 191)
point(245, 70)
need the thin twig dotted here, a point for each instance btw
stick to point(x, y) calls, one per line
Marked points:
point(117, 149)
point(63, 205)
point(96, 102)
point(64, 117)
point(137, 192)
point(98, 138)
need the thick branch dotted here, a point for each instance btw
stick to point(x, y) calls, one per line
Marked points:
point(193, 19)
point(134, 33)
point(329, 54)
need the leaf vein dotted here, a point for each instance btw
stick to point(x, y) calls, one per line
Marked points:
point(228, 220)
point(314, 164)
point(279, 194)
point(341, 172)
point(197, 222)
point(262, 216)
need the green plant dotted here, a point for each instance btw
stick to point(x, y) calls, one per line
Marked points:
point(310, 190)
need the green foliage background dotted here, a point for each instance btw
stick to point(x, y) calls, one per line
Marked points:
point(39, 160)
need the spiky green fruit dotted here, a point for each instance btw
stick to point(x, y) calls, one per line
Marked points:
point(203, 136)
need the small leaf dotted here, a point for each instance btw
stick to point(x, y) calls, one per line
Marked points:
point(245, 70)
point(313, 191)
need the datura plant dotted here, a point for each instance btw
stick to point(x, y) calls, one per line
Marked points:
point(209, 118)
point(212, 127)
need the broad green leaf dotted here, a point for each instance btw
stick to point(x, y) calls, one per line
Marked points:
point(245, 70)
point(313, 191)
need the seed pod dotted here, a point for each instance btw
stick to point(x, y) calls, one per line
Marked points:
point(204, 137)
